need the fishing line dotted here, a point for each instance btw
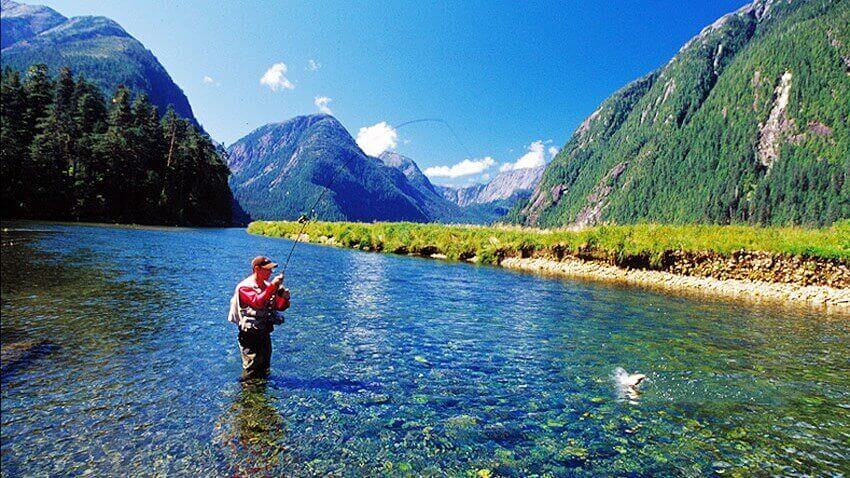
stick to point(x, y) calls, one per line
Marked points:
point(442, 122)
point(304, 220)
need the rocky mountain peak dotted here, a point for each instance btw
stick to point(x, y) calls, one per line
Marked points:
point(408, 167)
point(506, 185)
point(21, 21)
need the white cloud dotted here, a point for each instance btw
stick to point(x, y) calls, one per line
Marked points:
point(553, 151)
point(313, 65)
point(534, 157)
point(466, 167)
point(321, 102)
point(376, 139)
point(275, 78)
point(208, 80)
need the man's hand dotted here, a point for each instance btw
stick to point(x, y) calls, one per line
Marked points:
point(278, 280)
point(283, 293)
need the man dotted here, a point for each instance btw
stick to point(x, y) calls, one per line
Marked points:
point(254, 308)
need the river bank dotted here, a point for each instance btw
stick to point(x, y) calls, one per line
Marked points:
point(830, 298)
point(807, 267)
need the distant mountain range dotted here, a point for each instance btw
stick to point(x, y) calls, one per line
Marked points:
point(747, 123)
point(280, 170)
point(506, 186)
point(491, 201)
point(95, 47)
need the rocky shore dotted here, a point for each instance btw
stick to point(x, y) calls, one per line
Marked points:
point(823, 297)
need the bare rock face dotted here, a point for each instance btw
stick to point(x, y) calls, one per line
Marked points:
point(777, 124)
point(819, 128)
point(463, 196)
point(506, 185)
point(592, 211)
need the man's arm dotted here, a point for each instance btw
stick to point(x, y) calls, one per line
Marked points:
point(250, 298)
point(281, 300)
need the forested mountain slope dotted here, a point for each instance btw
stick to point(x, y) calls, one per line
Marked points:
point(95, 47)
point(279, 170)
point(747, 123)
point(429, 199)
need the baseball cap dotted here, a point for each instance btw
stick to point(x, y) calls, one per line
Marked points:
point(264, 262)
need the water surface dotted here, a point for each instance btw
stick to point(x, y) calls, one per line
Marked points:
point(394, 365)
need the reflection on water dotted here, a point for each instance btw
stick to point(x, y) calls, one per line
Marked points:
point(123, 363)
point(253, 431)
point(365, 283)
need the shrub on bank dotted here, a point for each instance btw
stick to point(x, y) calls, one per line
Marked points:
point(641, 243)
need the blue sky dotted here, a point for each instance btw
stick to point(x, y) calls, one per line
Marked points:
point(507, 76)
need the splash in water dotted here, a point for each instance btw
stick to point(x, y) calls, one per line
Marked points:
point(627, 383)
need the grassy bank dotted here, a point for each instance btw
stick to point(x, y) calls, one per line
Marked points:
point(642, 245)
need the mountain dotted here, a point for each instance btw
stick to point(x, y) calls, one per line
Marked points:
point(279, 170)
point(480, 203)
point(507, 185)
point(748, 123)
point(410, 170)
point(94, 47)
point(489, 202)
point(21, 21)
point(426, 195)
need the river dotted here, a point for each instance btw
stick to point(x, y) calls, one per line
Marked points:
point(394, 365)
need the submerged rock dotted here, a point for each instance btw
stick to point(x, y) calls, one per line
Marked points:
point(462, 422)
point(19, 354)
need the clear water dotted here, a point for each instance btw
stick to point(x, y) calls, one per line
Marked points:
point(393, 365)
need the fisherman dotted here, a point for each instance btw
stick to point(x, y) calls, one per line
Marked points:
point(255, 308)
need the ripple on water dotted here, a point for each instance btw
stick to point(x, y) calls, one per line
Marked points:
point(394, 365)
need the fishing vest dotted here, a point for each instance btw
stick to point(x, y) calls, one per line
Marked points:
point(249, 318)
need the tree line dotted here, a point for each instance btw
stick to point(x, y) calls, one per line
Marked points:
point(68, 153)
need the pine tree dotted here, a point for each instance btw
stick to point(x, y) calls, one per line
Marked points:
point(66, 155)
point(148, 134)
point(53, 153)
point(87, 176)
point(13, 136)
point(117, 158)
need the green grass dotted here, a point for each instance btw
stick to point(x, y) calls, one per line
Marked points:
point(615, 243)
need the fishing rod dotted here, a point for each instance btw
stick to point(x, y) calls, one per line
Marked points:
point(304, 220)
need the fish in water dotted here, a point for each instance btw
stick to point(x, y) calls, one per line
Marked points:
point(627, 383)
